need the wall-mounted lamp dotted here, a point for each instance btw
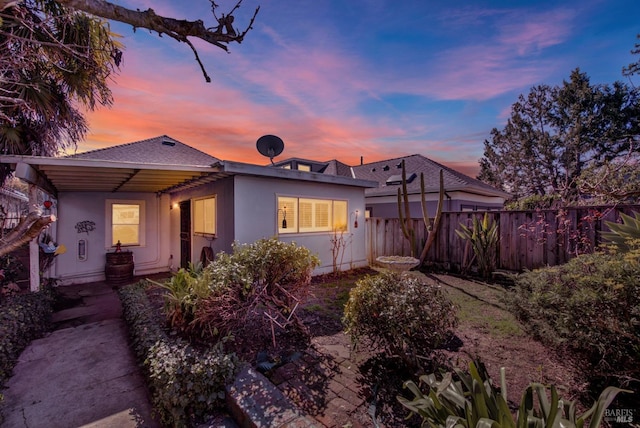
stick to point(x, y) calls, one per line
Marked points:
point(355, 223)
point(174, 205)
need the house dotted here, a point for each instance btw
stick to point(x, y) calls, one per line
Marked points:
point(462, 193)
point(171, 204)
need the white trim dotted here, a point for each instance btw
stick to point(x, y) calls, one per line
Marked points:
point(109, 219)
point(215, 216)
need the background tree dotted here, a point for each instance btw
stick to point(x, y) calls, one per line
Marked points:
point(556, 133)
point(634, 67)
point(56, 56)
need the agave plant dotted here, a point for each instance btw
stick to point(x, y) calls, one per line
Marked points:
point(473, 402)
point(483, 237)
point(621, 235)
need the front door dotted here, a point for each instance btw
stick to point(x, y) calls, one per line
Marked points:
point(185, 233)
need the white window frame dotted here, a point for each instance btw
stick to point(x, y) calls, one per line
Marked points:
point(295, 223)
point(109, 203)
point(204, 229)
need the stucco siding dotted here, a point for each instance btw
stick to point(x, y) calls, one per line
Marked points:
point(76, 207)
point(256, 214)
point(224, 192)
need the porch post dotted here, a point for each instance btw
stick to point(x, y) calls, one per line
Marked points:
point(34, 252)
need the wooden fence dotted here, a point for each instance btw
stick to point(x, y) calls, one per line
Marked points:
point(528, 239)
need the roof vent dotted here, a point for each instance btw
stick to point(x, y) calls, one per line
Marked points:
point(168, 143)
point(397, 179)
point(386, 168)
point(399, 165)
point(373, 170)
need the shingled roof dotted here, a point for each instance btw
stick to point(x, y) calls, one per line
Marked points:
point(162, 150)
point(335, 167)
point(385, 170)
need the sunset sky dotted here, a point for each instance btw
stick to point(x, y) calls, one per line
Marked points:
point(345, 79)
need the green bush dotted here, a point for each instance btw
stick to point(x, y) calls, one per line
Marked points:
point(483, 237)
point(473, 401)
point(185, 383)
point(590, 305)
point(235, 290)
point(625, 235)
point(23, 318)
point(399, 313)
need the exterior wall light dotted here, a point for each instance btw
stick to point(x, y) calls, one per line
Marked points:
point(355, 223)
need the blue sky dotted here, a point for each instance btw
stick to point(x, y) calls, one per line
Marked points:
point(372, 78)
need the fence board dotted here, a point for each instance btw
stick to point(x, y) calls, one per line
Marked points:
point(528, 239)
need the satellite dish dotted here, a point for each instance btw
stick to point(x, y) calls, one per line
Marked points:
point(270, 146)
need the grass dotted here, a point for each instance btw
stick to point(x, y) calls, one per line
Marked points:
point(481, 307)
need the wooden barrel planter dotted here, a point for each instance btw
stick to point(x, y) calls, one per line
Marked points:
point(119, 267)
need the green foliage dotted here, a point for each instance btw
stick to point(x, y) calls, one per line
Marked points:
point(54, 62)
point(10, 269)
point(622, 235)
point(474, 402)
point(590, 305)
point(555, 133)
point(23, 318)
point(185, 383)
point(483, 237)
point(188, 383)
point(183, 290)
point(217, 301)
point(533, 202)
point(399, 313)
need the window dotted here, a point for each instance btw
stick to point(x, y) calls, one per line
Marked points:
point(304, 167)
point(204, 216)
point(126, 219)
point(297, 215)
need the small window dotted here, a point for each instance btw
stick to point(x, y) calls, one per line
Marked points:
point(287, 215)
point(304, 167)
point(126, 222)
point(204, 216)
point(340, 216)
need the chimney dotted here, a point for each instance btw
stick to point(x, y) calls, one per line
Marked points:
point(361, 160)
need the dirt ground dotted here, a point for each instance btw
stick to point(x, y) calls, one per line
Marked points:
point(486, 331)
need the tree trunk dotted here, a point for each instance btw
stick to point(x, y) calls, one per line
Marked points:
point(28, 229)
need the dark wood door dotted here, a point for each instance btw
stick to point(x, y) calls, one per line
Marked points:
point(185, 233)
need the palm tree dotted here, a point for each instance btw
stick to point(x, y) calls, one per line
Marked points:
point(52, 62)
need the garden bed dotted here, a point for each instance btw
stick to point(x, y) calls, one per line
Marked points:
point(486, 331)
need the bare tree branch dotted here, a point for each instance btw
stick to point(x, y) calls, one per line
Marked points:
point(220, 35)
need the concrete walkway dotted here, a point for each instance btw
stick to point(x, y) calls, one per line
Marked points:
point(81, 375)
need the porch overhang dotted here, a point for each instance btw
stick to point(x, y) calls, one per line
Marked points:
point(56, 175)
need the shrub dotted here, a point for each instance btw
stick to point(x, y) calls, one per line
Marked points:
point(590, 305)
point(626, 235)
point(399, 313)
point(23, 318)
point(185, 383)
point(473, 401)
point(483, 237)
point(237, 289)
